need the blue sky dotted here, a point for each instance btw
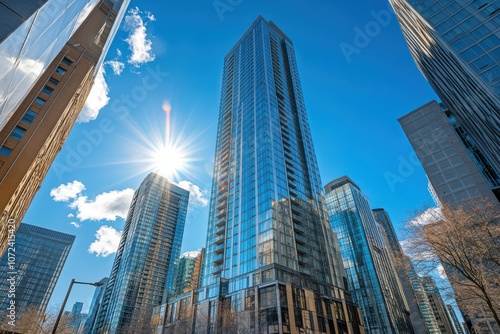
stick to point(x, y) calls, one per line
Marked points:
point(355, 86)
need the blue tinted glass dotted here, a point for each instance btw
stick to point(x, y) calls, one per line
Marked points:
point(29, 116)
point(5, 151)
point(40, 101)
point(60, 70)
point(47, 90)
point(18, 133)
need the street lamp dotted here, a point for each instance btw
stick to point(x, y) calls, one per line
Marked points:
point(96, 284)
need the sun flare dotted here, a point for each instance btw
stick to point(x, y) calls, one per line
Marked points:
point(168, 160)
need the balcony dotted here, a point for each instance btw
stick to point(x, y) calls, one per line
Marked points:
point(219, 239)
point(221, 214)
point(220, 222)
point(218, 259)
point(219, 249)
point(220, 231)
point(300, 239)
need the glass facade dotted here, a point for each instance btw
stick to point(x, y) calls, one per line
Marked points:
point(457, 327)
point(29, 49)
point(437, 305)
point(272, 263)
point(40, 255)
point(187, 272)
point(150, 243)
point(94, 306)
point(417, 301)
point(38, 111)
point(370, 272)
point(423, 302)
point(456, 45)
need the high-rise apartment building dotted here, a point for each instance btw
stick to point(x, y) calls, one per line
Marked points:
point(424, 304)
point(150, 244)
point(272, 263)
point(371, 275)
point(50, 52)
point(76, 315)
point(437, 304)
point(94, 306)
point(457, 327)
point(35, 260)
point(456, 168)
point(456, 45)
point(187, 272)
point(416, 301)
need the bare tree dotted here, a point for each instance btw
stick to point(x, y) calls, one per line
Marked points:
point(33, 321)
point(465, 239)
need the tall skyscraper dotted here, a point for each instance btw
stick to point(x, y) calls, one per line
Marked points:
point(187, 272)
point(149, 246)
point(271, 259)
point(417, 301)
point(370, 270)
point(35, 262)
point(49, 55)
point(437, 304)
point(94, 306)
point(456, 168)
point(456, 46)
point(76, 315)
point(423, 302)
point(457, 327)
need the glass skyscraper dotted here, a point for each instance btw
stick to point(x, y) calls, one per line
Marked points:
point(370, 271)
point(456, 45)
point(39, 257)
point(187, 272)
point(422, 300)
point(150, 244)
point(50, 52)
point(272, 263)
point(420, 310)
point(94, 306)
point(437, 304)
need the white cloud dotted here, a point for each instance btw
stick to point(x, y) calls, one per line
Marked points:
point(97, 99)
point(65, 192)
point(429, 216)
point(116, 66)
point(197, 196)
point(28, 66)
point(137, 39)
point(71, 215)
point(118, 52)
point(76, 224)
point(150, 16)
point(441, 272)
point(107, 241)
point(106, 206)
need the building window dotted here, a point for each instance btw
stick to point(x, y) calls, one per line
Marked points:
point(5, 151)
point(29, 116)
point(67, 61)
point(18, 133)
point(53, 81)
point(60, 70)
point(47, 90)
point(40, 101)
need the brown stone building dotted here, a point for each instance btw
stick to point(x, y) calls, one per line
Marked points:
point(36, 130)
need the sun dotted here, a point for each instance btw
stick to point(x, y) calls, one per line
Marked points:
point(168, 160)
point(169, 151)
